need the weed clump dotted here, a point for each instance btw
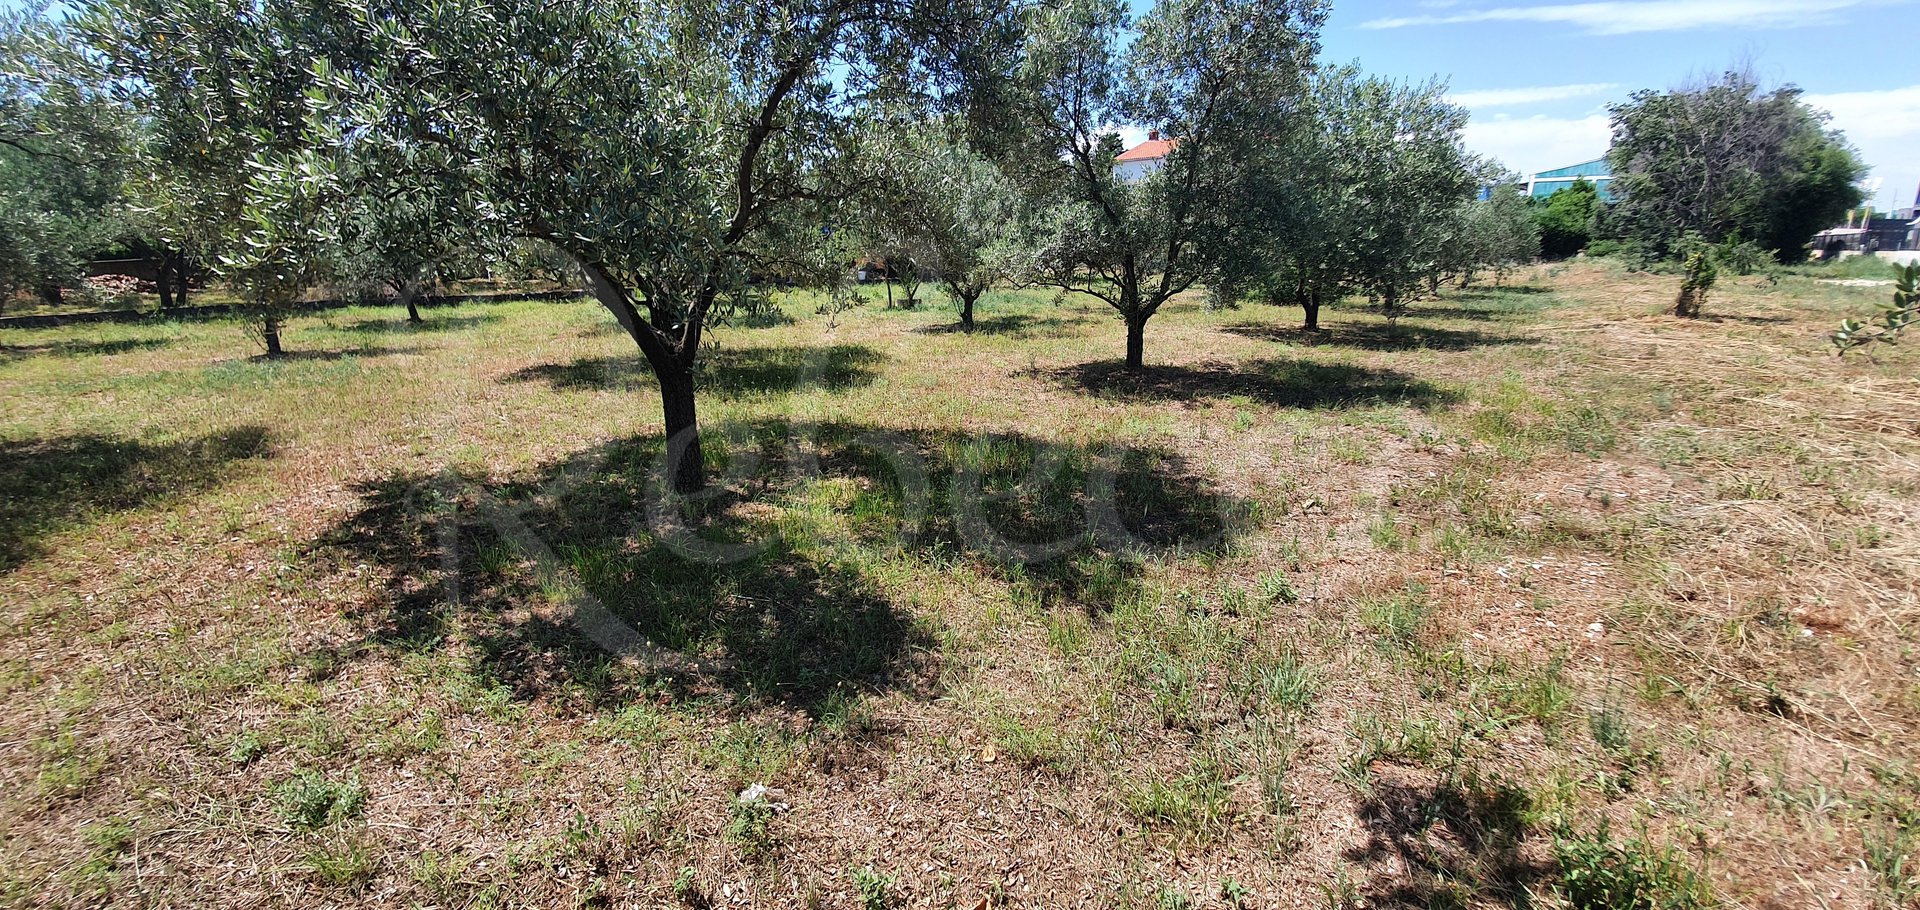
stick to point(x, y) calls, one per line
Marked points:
point(310, 801)
point(1600, 873)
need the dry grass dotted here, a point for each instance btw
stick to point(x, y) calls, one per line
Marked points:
point(1545, 598)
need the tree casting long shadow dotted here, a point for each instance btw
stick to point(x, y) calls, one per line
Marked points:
point(398, 325)
point(1376, 336)
point(734, 371)
point(48, 485)
point(83, 348)
point(795, 613)
point(1281, 382)
point(309, 355)
point(1012, 325)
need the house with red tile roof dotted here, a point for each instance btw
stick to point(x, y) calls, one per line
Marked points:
point(1136, 163)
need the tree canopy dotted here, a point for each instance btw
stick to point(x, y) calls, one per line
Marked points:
point(1224, 78)
point(662, 147)
point(63, 158)
point(1725, 158)
point(1567, 219)
point(948, 209)
point(1363, 192)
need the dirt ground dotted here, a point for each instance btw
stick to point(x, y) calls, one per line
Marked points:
point(1538, 597)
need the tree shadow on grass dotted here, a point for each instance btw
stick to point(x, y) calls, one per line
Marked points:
point(49, 485)
point(1450, 843)
point(307, 355)
point(1280, 382)
point(1486, 292)
point(729, 372)
point(773, 591)
point(1376, 336)
point(1745, 320)
point(83, 348)
point(431, 322)
point(1013, 325)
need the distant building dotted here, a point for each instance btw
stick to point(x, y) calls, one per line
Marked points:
point(1911, 212)
point(1136, 163)
point(1596, 172)
point(1865, 233)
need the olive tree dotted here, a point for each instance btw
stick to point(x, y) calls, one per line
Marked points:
point(1496, 233)
point(1291, 239)
point(230, 93)
point(1893, 319)
point(658, 146)
point(1360, 193)
point(402, 240)
point(1221, 76)
point(953, 210)
point(1724, 158)
point(1410, 172)
point(64, 139)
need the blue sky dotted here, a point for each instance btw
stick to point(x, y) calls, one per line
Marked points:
point(1538, 76)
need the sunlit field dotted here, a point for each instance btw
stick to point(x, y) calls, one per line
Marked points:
point(1540, 597)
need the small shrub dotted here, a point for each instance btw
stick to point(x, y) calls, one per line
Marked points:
point(310, 801)
point(245, 747)
point(686, 886)
point(1892, 320)
point(874, 888)
point(1598, 873)
point(1700, 276)
point(347, 863)
point(750, 827)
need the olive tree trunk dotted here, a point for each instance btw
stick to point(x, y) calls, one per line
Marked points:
point(270, 333)
point(1136, 342)
point(672, 363)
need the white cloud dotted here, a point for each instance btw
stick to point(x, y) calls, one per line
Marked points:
point(1535, 144)
point(1631, 16)
point(1885, 126)
point(1130, 136)
point(1507, 97)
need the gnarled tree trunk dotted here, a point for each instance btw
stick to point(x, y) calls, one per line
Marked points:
point(672, 363)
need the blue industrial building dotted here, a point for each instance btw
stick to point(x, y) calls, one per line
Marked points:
point(1546, 183)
